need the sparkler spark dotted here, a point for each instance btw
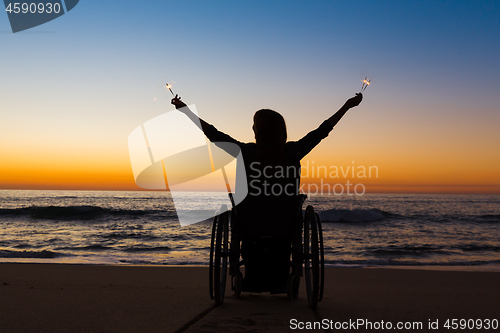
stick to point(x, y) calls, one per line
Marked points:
point(169, 87)
point(366, 83)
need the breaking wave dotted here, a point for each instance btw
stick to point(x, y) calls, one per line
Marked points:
point(30, 254)
point(352, 215)
point(70, 212)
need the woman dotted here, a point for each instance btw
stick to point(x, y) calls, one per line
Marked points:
point(271, 153)
point(272, 168)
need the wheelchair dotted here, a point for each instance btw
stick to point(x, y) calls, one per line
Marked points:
point(236, 233)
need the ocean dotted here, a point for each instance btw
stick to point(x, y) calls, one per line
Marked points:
point(141, 228)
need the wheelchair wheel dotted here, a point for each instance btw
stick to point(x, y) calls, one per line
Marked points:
point(218, 256)
point(312, 257)
point(322, 259)
point(211, 264)
point(234, 257)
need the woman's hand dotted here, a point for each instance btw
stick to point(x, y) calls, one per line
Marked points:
point(177, 102)
point(182, 107)
point(350, 103)
point(354, 101)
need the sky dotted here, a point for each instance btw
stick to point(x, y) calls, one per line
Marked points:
point(73, 89)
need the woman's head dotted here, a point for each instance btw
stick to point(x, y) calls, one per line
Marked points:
point(270, 131)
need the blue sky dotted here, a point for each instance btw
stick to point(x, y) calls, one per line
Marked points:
point(85, 80)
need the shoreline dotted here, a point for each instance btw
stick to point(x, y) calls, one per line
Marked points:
point(450, 268)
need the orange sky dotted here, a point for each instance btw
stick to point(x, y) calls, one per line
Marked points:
point(422, 155)
point(404, 173)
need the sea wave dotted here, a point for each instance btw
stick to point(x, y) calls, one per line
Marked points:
point(353, 215)
point(31, 254)
point(71, 212)
point(91, 247)
point(116, 235)
point(99, 248)
point(490, 218)
point(147, 249)
point(478, 248)
point(381, 262)
point(408, 250)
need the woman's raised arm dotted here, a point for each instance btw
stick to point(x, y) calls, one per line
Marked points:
point(182, 107)
point(313, 138)
point(350, 103)
point(210, 131)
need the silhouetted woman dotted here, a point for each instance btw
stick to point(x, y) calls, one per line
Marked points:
point(272, 168)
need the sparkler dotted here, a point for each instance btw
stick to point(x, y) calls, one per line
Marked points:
point(366, 83)
point(169, 87)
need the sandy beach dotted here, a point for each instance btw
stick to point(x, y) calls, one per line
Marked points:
point(94, 298)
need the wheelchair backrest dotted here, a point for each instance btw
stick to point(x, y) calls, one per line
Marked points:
point(269, 216)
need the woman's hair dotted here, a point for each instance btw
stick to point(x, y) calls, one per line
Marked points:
point(270, 134)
